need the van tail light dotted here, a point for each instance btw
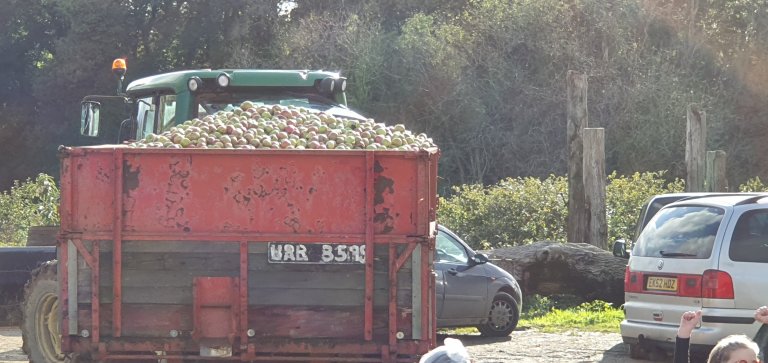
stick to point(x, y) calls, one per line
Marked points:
point(633, 281)
point(689, 285)
point(716, 284)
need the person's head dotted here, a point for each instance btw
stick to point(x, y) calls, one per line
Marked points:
point(734, 349)
point(452, 351)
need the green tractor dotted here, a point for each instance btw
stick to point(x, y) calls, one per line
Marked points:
point(166, 100)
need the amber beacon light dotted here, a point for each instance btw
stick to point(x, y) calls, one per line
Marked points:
point(118, 67)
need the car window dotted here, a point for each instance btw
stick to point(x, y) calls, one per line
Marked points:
point(449, 250)
point(749, 242)
point(651, 208)
point(680, 232)
point(640, 220)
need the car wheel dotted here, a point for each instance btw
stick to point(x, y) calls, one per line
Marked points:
point(502, 318)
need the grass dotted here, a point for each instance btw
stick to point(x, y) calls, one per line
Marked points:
point(562, 314)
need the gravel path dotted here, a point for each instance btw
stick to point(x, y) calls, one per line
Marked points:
point(521, 346)
point(534, 346)
point(10, 345)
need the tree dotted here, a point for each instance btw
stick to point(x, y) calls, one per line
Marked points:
point(29, 29)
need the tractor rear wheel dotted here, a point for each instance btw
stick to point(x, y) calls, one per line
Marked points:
point(40, 328)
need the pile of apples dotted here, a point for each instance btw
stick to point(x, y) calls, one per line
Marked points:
point(284, 127)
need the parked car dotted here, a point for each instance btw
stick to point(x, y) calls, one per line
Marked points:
point(472, 291)
point(706, 253)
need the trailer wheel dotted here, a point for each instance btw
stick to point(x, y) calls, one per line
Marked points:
point(40, 328)
point(502, 318)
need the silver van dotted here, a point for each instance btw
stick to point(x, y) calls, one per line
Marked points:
point(708, 252)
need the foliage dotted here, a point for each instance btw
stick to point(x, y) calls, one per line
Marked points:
point(29, 203)
point(753, 185)
point(514, 211)
point(524, 210)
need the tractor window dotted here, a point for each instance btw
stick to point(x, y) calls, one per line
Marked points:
point(212, 102)
point(167, 112)
point(145, 117)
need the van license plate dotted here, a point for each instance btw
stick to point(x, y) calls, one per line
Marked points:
point(315, 253)
point(661, 283)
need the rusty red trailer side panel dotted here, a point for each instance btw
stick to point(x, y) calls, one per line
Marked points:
point(198, 252)
point(205, 191)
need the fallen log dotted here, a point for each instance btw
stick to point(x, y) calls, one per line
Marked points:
point(552, 268)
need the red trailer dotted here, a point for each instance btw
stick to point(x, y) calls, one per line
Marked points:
point(247, 255)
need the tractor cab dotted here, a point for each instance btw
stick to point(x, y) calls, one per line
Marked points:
point(160, 102)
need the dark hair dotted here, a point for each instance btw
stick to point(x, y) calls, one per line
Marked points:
point(722, 351)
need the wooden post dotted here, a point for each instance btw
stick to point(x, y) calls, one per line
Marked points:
point(716, 180)
point(695, 148)
point(594, 186)
point(577, 121)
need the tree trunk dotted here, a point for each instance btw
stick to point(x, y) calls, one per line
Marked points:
point(577, 121)
point(594, 187)
point(716, 178)
point(552, 268)
point(695, 149)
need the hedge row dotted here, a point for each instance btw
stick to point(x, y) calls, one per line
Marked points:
point(523, 210)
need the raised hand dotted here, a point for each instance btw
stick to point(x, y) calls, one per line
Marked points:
point(761, 314)
point(688, 322)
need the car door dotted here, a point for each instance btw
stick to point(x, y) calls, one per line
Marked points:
point(462, 287)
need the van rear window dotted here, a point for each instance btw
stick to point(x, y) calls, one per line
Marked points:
point(749, 242)
point(680, 232)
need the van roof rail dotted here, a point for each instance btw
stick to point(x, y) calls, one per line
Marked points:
point(752, 200)
point(724, 194)
point(754, 196)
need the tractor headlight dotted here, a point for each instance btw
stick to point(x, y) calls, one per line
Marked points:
point(194, 83)
point(223, 80)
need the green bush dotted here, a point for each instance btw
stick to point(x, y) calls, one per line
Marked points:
point(524, 210)
point(31, 203)
point(514, 211)
point(753, 185)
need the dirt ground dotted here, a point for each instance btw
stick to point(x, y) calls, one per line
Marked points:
point(10, 345)
point(533, 346)
point(521, 346)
